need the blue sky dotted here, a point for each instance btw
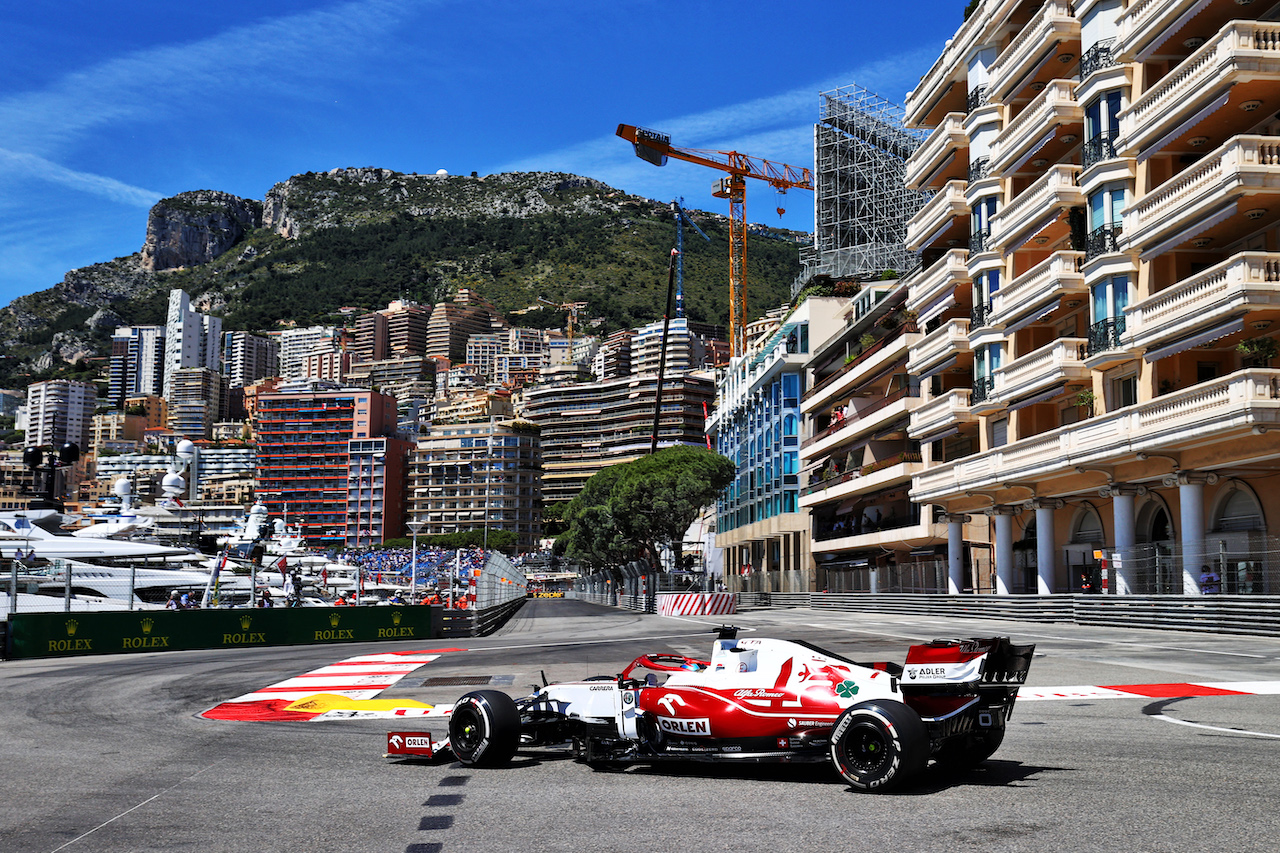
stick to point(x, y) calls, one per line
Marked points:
point(106, 107)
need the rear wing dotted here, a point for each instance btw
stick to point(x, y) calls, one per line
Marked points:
point(966, 664)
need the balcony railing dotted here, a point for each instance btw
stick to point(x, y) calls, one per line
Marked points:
point(1102, 240)
point(938, 280)
point(1105, 335)
point(978, 169)
point(860, 358)
point(944, 342)
point(1242, 51)
point(978, 241)
point(1198, 414)
point(941, 413)
point(1099, 148)
point(979, 315)
point(1057, 189)
point(947, 139)
point(1242, 164)
point(1034, 292)
point(1223, 291)
point(946, 204)
point(977, 98)
point(1052, 24)
point(1097, 58)
point(983, 387)
point(863, 413)
point(1053, 107)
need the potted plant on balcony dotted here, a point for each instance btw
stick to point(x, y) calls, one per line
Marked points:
point(1257, 352)
point(1084, 401)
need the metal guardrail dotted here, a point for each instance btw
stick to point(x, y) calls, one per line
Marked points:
point(1219, 614)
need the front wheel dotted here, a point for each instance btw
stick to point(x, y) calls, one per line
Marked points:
point(876, 746)
point(484, 729)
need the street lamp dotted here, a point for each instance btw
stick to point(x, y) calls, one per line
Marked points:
point(415, 527)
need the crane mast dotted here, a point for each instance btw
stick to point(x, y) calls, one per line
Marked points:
point(655, 148)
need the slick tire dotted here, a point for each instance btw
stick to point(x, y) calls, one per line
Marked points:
point(879, 745)
point(484, 729)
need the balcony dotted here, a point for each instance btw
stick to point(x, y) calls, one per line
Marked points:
point(872, 359)
point(1103, 240)
point(1199, 198)
point(941, 414)
point(1218, 411)
point(1099, 148)
point(938, 283)
point(1147, 25)
point(1036, 126)
point(1244, 58)
point(943, 156)
point(942, 87)
point(1045, 369)
point(1035, 45)
point(1203, 302)
point(937, 216)
point(864, 415)
point(1096, 58)
point(1037, 207)
point(1104, 336)
point(939, 348)
point(859, 481)
point(1038, 291)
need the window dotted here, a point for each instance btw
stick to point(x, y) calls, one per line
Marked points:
point(1124, 391)
point(1110, 298)
point(1000, 432)
point(1101, 127)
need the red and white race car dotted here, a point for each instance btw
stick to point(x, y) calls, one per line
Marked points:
point(761, 700)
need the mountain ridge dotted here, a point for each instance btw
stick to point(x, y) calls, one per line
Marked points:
point(363, 236)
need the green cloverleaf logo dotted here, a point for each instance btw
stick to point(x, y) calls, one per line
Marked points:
point(846, 689)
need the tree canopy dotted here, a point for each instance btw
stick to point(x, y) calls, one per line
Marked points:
point(630, 511)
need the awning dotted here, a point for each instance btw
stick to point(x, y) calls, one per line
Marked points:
point(1194, 341)
point(897, 426)
point(1019, 325)
point(1037, 398)
point(1023, 237)
point(1172, 29)
point(933, 309)
point(945, 433)
point(1200, 225)
point(1040, 143)
point(941, 366)
point(1183, 127)
point(946, 161)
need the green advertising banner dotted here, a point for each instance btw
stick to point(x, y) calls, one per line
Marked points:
point(108, 633)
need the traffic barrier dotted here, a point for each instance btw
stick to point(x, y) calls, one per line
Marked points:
point(697, 604)
point(116, 632)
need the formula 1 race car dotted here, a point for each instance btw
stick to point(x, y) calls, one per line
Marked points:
point(766, 700)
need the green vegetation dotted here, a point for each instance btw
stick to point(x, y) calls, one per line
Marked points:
point(630, 511)
point(368, 237)
point(498, 540)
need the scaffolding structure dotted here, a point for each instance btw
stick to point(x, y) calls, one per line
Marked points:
point(861, 203)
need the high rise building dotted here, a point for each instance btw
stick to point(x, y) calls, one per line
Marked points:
point(60, 411)
point(192, 339)
point(452, 324)
point(466, 476)
point(247, 358)
point(1099, 297)
point(137, 363)
point(690, 346)
point(588, 427)
point(331, 461)
point(197, 400)
point(297, 344)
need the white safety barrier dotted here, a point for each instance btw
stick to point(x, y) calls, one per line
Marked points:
point(697, 604)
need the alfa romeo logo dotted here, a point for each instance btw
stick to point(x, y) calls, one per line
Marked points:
point(846, 689)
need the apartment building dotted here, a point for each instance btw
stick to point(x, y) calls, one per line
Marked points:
point(1099, 295)
point(757, 422)
point(191, 339)
point(137, 363)
point(247, 358)
point(331, 461)
point(590, 426)
point(473, 476)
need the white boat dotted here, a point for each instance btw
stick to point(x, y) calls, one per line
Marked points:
point(38, 533)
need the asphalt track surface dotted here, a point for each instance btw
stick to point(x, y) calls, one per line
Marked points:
point(110, 753)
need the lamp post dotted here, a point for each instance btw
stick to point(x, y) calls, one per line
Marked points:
point(21, 519)
point(415, 527)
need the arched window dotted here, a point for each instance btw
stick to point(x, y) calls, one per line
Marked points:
point(1087, 527)
point(790, 425)
point(1240, 511)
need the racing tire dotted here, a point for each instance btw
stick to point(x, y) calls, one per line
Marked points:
point(484, 729)
point(877, 746)
point(970, 750)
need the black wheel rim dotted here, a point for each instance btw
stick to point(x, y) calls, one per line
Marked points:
point(469, 725)
point(866, 748)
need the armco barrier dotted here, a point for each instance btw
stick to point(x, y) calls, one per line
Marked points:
point(55, 634)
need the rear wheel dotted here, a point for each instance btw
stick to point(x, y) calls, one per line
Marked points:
point(876, 746)
point(484, 729)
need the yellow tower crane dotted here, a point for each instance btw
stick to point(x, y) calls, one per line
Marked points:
point(655, 148)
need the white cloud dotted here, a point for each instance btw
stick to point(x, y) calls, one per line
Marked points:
point(39, 167)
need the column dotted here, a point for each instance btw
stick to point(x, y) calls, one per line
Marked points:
point(1046, 547)
point(955, 552)
point(1126, 533)
point(1191, 515)
point(1003, 516)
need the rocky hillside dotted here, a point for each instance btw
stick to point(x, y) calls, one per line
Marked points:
point(358, 238)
